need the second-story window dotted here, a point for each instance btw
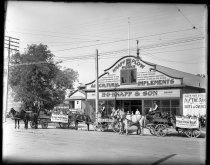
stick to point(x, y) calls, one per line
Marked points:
point(128, 76)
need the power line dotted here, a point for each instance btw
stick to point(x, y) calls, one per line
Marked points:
point(12, 38)
point(143, 47)
point(79, 42)
point(10, 47)
point(193, 26)
point(121, 40)
point(125, 52)
point(144, 54)
point(29, 63)
point(179, 10)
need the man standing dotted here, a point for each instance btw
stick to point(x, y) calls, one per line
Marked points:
point(137, 112)
point(142, 122)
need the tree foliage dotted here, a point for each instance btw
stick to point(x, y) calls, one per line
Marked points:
point(35, 76)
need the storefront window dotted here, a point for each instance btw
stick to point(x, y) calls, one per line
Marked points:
point(171, 106)
point(108, 106)
point(136, 104)
point(132, 105)
point(128, 76)
point(175, 103)
point(175, 107)
point(165, 103)
point(164, 106)
point(127, 106)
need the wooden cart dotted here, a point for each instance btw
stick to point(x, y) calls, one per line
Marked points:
point(106, 123)
point(189, 126)
point(44, 119)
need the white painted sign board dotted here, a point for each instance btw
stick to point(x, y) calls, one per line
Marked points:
point(194, 104)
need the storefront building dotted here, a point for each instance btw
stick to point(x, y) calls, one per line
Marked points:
point(131, 83)
point(76, 101)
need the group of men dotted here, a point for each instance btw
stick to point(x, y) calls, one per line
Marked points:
point(138, 117)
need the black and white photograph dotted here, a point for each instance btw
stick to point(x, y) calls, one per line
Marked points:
point(104, 83)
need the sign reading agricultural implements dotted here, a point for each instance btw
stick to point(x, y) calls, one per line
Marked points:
point(194, 104)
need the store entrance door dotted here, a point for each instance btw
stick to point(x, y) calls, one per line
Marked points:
point(132, 105)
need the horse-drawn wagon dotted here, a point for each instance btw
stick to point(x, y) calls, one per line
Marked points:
point(159, 126)
point(57, 115)
point(189, 126)
point(104, 123)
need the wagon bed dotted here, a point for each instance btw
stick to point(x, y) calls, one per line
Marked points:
point(44, 120)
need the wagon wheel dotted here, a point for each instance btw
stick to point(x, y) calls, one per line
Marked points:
point(64, 125)
point(192, 133)
point(182, 131)
point(161, 130)
point(189, 133)
point(98, 126)
point(95, 126)
point(116, 126)
point(152, 129)
point(196, 133)
point(44, 124)
point(32, 124)
point(101, 127)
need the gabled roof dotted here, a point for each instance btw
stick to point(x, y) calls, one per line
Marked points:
point(188, 78)
point(81, 91)
point(73, 95)
point(75, 98)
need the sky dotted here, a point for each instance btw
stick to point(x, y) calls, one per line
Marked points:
point(73, 32)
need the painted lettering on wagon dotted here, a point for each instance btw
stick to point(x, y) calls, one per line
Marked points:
point(156, 82)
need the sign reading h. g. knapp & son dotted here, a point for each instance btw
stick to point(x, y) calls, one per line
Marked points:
point(135, 94)
point(143, 74)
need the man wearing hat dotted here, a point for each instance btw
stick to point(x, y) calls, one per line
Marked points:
point(155, 111)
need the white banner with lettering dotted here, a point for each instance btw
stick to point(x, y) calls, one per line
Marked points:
point(187, 122)
point(194, 104)
point(59, 118)
point(135, 94)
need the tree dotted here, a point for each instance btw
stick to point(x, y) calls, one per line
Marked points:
point(35, 77)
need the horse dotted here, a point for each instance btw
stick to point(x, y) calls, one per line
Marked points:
point(34, 120)
point(17, 116)
point(77, 118)
point(115, 122)
point(127, 121)
point(202, 121)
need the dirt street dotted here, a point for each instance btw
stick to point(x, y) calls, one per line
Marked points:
point(68, 145)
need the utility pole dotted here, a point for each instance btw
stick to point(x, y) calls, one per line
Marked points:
point(137, 49)
point(128, 36)
point(10, 47)
point(96, 89)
